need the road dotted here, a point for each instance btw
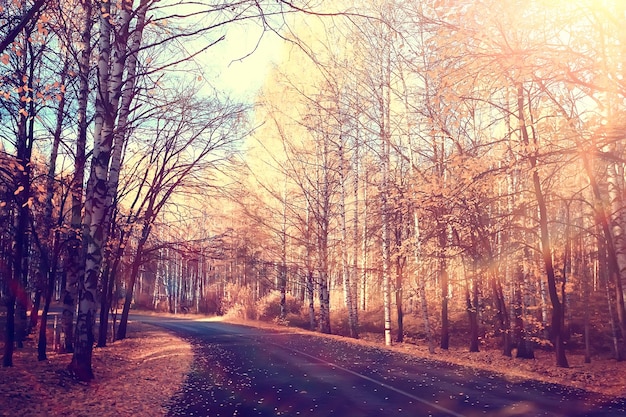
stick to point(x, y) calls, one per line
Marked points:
point(244, 371)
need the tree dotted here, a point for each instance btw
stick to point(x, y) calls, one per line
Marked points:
point(29, 15)
point(26, 80)
point(177, 155)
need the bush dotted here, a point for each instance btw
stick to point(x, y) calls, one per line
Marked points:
point(238, 302)
point(268, 307)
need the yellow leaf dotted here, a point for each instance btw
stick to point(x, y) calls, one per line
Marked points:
point(19, 190)
point(5, 59)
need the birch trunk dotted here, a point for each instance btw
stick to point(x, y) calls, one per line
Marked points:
point(119, 142)
point(421, 284)
point(347, 286)
point(73, 264)
point(356, 253)
point(282, 268)
point(385, 242)
point(471, 300)
point(364, 248)
point(310, 296)
point(107, 102)
point(324, 305)
point(323, 199)
point(384, 103)
point(416, 241)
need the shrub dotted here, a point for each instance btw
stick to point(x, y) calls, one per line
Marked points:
point(268, 307)
point(238, 301)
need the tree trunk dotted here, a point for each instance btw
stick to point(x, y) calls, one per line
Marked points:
point(524, 347)
point(399, 295)
point(443, 278)
point(108, 283)
point(309, 284)
point(310, 299)
point(50, 257)
point(119, 138)
point(137, 261)
point(282, 268)
point(504, 322)
point(34, 311)
point(608, 247)
point(50, 270)
point(355, 229)
point(385, 266)
point(74, 266)
point(282, 288)
point(345, 270)
point(9, 336)
point(49, 289)
point(546, 248)
point(585, 285)
point(421, 285)
point(471, 299)
point(324, 304)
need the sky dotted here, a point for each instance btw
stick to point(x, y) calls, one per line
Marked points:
point(235, 67)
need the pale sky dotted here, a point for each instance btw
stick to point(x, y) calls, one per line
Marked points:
point(231, 69)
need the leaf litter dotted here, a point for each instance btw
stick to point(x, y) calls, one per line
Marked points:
point(135, 376)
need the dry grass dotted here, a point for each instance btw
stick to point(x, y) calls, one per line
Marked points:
point(135, 376)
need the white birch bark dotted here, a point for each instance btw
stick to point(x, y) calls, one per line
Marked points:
point(356, 252)
point(73, 265)
point(109, 91)
point(323, 202)
point(385, 231)
point(347, 286)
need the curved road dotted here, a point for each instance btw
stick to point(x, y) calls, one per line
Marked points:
point(243, 371)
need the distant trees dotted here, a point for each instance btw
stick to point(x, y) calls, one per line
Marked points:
point(478, 123)
point(187, 141)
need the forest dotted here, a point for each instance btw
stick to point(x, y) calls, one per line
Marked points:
point(438, 172)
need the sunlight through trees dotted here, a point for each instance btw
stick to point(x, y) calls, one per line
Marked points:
point(439, 172)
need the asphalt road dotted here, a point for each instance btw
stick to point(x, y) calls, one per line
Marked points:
point(243, 371)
